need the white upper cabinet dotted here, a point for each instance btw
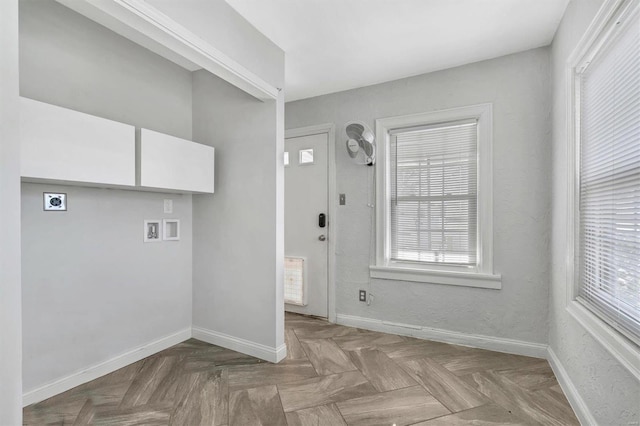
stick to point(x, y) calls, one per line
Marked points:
point(168, 162)
point(59, 144)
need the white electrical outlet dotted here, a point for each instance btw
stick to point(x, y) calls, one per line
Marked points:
point(55, 201)
point(168, 206)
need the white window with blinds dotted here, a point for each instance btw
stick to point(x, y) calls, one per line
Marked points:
point(607, 190)
point(434, 193)
point(434, 198)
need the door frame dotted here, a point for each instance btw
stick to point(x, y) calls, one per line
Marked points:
point(330, 130)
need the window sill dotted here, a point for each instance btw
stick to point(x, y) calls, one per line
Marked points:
point(627, 353)
point(465, 279)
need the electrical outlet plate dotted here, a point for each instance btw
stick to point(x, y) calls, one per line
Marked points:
point(55, 201)
point(362, 296)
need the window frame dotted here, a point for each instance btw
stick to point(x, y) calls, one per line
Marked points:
point(480, 275)
point(595, 38)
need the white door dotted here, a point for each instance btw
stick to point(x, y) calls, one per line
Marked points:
point(305, 241)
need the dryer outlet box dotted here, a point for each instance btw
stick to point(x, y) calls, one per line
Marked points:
point(55, 201)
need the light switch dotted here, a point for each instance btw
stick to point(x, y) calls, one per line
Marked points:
point(168, 206)
point(343, 199)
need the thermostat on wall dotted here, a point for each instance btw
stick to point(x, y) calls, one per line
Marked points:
point(55, 201)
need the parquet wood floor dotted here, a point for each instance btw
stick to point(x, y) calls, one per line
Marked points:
point(333, 375)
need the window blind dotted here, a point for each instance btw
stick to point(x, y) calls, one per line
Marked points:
point(609, 190)
point(434, 176)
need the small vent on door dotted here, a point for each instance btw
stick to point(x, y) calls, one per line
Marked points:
point(294, 282)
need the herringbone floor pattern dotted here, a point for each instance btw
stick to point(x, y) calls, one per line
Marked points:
point(333, 375)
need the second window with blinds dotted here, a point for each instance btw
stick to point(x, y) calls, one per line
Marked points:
point(434, 198)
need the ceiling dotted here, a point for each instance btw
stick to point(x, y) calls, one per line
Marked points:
point(335, 45)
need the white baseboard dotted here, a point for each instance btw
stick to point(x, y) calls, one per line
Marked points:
point(499, 344)
point(247, 347)
point(571, 392)
point(106, 367)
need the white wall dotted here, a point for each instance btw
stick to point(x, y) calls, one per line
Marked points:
point(231, 34)
point(610, 392)
point(518, 87)
point(10, 305)
point(69, 60)
point(237, 249)
point(92, 289)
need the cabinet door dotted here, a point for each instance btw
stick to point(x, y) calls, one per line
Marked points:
point(167, 162)
point(59, 144)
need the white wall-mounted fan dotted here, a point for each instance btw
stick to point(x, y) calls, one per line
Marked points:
point(360, 139)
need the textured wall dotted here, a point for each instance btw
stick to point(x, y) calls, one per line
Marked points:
point(237, 253)
point(10, 305)
point(91, 288)
point(518, 87)
point(608, 389)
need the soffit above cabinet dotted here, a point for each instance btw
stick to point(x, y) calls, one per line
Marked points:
point(148, 27)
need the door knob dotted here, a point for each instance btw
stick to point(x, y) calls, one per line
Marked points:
point(322, 237)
